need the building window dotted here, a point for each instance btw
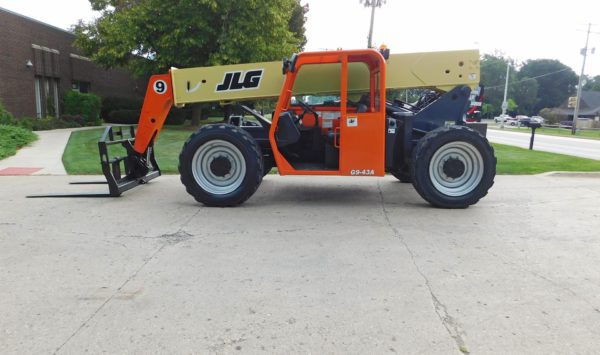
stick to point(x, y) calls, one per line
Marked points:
point(81, 86)
point(55, 97)
point(46, 97)
point(38, 97)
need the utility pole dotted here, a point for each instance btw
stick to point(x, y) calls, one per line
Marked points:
point(576, 111)
point(504, 102)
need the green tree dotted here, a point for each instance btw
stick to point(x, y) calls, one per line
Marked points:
point(6, 118)
point(555, 80)
point(493, 77)
point(592, 84)
point(189, 33)
point(150, 36)
point(512, 107)
point(525, 93)
point(296, 23)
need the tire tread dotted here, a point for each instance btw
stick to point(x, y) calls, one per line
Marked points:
point(191, 185)
point(427, 192)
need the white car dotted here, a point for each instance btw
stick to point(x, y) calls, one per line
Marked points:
point(506, 118)
point(500, 118)
point(537, 119)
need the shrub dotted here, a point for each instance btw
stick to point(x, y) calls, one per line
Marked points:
point(12, 138)
point(123, 117)
point(551, 117)
point(74, 120)
point(86, 105)
point(5, 117)
point(177, 116)
point(44, 124)
point(110, 104)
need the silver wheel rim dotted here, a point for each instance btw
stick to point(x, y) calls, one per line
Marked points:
point(204, 175)
point(471, 176)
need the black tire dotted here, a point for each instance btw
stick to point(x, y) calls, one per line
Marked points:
point(221, 165)
point(466, 167)
point(403, 175)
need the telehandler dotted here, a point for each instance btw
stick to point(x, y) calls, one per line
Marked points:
point(332, 118)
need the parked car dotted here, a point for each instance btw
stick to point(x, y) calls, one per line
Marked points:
point(566, 124)
point(523, 120)
point(506, 118)
point(537, 119)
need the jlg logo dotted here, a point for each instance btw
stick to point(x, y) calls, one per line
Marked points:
point(233, 80)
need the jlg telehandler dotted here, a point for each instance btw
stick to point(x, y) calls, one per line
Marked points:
point(332, 118)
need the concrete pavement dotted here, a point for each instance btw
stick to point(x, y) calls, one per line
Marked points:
point(307, 265)
point(43, 157)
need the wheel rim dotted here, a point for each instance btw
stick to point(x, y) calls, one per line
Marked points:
point(456, 168)
point(218, 167)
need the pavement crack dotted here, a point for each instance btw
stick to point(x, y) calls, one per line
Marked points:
point(170, 239)
point(117, 291)
point(448, 322)
point(189, 220)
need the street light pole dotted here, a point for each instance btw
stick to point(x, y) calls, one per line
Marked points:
point(576, 111)
point(373, 4)
point(504, 102)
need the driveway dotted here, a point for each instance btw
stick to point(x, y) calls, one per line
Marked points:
point(307, 265)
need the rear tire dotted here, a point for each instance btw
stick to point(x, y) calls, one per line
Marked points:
point(403, 175)
point(454, 167)
point(221, 165)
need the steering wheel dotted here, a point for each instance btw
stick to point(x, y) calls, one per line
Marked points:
point(307, 109)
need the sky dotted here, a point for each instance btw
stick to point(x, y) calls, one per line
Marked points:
point(520, 29)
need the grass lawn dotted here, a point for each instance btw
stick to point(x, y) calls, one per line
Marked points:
point(13, 138)
point(81, 155)
point(563, 132)
point(514, 160)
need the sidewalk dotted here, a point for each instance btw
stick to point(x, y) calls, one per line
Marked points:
point(43, 157)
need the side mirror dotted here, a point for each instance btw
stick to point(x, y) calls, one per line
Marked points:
point(286, 66)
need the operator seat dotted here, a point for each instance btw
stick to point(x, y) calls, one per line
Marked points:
point(287, 130)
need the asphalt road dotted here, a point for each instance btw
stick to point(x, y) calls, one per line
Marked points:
point(307, 265)
point(585, 148)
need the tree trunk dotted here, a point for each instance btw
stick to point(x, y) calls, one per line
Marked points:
point(227, 111)
point(196, 115)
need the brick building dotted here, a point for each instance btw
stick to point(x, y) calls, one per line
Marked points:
point(38, 64)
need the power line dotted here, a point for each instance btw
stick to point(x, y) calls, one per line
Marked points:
point(527, 79)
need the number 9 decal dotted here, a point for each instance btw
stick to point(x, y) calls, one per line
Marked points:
point(160, 87)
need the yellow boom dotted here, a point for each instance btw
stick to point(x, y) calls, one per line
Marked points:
point(441, 70)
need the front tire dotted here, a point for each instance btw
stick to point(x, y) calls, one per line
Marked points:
point(221, 165)
point(268, 165)
point(454, 167)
